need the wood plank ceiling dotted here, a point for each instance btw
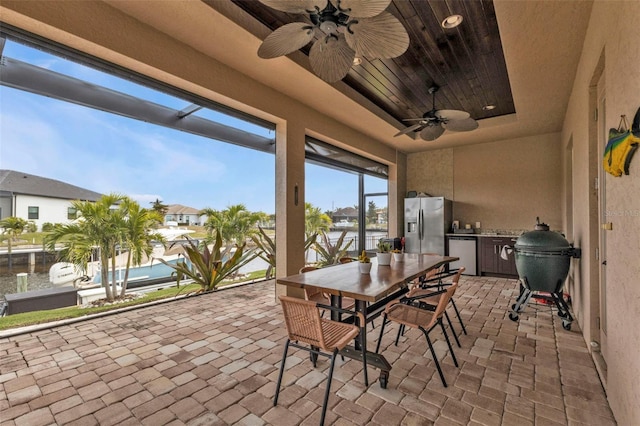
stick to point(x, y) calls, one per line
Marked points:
point(467, 62)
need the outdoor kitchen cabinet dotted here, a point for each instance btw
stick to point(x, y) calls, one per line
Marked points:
point(491, 263)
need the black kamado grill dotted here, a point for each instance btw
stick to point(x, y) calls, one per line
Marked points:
point(542, 260)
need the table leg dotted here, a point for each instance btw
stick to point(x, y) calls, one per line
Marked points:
point(373, 359)
point(361, 306)
point(336, 302)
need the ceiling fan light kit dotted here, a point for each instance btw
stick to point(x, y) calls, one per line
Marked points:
point(433, 123)
point(349, 29)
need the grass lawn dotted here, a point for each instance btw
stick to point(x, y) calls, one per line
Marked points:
point(40, 317)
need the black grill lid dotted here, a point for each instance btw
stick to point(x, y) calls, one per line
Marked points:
point(542, 240)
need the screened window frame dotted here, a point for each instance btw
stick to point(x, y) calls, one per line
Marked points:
point(253, 141)
point(355, 164)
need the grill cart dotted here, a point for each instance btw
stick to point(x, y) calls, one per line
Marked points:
point(543, 260)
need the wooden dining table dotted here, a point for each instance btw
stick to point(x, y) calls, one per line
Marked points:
point(371, 291)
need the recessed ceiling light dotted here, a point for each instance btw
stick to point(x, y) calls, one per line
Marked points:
point(451, 21)
point(488, 107)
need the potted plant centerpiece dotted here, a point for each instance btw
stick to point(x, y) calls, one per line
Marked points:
point(398, 255)
point(384, 253)
point(364, 263)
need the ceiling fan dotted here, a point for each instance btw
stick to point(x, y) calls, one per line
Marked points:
point(348, 29)
point(433, 123)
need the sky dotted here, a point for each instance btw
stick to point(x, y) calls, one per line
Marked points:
point(107, 153)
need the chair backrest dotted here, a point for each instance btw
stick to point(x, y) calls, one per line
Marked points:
point(456, 278)
point(442, 303)
point(315, 294)
point(437, 271)
point(303, 322)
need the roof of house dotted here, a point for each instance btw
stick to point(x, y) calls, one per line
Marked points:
point(27, 184)
point(180, 209)
point(346, 211)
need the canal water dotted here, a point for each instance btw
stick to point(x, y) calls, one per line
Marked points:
point(37, 278)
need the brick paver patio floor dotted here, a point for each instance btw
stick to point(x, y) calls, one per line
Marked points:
point(213, 360)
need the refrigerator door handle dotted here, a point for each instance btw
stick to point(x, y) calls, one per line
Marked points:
point(420, 225)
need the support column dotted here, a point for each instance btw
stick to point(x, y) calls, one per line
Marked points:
point(397, 191)
point(289, 202)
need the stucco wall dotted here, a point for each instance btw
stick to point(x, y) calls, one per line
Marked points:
point(51, 210)
point(431, 172)
point(612, 35)
point(503, 185)
point(507, 184)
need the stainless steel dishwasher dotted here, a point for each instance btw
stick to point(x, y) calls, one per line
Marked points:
point(465, 248)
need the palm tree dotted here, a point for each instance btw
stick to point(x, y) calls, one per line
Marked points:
point(97, 226)
point(162, 209)
point(234, 224)
point(112, 223)
point(138, 238)
point(315, 222)
point(13, 226)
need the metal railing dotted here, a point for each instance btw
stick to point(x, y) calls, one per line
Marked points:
point(370, 244)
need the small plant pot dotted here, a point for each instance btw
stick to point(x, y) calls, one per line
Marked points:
point(398, 257)
point(365, 268)
point(384, 259)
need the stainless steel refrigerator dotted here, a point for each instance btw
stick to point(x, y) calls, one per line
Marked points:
point(426, 221)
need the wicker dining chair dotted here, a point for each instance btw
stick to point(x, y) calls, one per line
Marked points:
point(316, 294)
point(324, 337)
point(405, 313)
point(430, 301)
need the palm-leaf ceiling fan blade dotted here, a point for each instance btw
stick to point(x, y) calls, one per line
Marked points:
point(361, 8)
point(286, 39)
point(408, 130)
point(426, 120)
point(381, 36)
point(452, 114)
point(431, 133)
point(296, 6)
point(466, 125)
point(331, 58)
